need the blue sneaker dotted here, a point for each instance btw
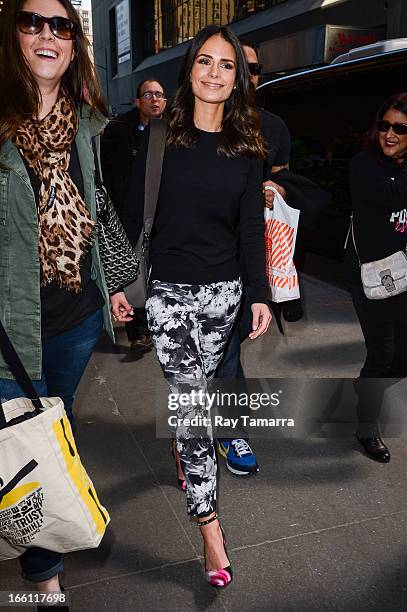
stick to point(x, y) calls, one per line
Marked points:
point(240, 458)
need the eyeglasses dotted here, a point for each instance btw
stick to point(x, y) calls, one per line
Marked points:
point(33, 23)
point(148, 95)
point(255, 68)
point(398, 128)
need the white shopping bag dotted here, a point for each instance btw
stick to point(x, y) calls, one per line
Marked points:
point(281, 234)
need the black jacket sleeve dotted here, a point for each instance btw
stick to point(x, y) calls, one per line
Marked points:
point(252, 241)
point(370, 180)
point(278, 142)
point(133, 209)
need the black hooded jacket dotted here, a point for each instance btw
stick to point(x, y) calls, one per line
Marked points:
point(119, 146)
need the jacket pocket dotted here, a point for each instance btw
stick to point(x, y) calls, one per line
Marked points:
point(4, 181)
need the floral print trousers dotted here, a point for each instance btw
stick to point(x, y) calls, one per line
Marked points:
point(189, 325)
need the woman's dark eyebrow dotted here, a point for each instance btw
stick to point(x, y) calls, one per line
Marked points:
point(223, 59)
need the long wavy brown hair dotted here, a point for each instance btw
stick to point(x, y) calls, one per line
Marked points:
point(20, 96)
point(241, 134)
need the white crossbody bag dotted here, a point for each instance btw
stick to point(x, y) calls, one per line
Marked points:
point(385, 277)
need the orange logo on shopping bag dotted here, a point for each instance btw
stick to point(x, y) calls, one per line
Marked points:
point(279, 248)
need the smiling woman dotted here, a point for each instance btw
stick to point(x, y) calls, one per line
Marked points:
point(52, 288)
point(47, 54)
point(209, 215)
point(378, 181)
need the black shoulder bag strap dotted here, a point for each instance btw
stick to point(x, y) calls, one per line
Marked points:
point(17, 369)
point(154, 166)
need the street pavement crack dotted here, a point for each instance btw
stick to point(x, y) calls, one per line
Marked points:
point(317, 531)
point(102, 381)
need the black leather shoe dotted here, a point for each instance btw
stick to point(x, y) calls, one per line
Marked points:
point(292, 310)
point(141, 345)
point(376, 449)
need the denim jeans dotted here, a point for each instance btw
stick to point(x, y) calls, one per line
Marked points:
point(64, 359)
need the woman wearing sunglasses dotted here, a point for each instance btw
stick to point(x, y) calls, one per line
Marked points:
point(378, 180)
point(52, 290)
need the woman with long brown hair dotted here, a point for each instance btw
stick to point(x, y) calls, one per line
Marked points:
point(210, 211)
point(53, 296)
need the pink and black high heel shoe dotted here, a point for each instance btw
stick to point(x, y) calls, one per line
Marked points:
point(182, 483)
point(222, 577)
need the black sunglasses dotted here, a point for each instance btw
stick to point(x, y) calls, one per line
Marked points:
point(398, 128)
point(33, 23)
point(255, 68)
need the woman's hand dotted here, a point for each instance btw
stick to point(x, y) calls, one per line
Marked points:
point(268, 193)
point(261, 320)
point(121, 309)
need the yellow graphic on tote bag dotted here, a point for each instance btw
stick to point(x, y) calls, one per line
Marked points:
point(77, 472)
point(12, 498)
point(21, 516)
point(10, 493)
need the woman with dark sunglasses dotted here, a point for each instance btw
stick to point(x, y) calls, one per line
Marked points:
point(53, 297)
point(378, 181)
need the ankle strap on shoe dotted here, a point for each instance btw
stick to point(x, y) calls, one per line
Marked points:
point(201, 524)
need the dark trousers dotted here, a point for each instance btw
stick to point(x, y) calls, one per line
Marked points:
point(138, 326)
point(384, 327)
point(64, 359)
point(231, 367)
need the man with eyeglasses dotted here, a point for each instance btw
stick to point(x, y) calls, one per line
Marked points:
point(240, 458)
point(119, 147)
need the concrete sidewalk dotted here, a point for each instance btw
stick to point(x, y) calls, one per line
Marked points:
point(321, 527)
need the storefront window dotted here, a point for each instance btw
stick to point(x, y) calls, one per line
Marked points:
point(176, 21)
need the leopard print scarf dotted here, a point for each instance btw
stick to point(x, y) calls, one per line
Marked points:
point(65, 225)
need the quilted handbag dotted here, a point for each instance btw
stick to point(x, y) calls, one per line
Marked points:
point(385, 277)
point(119, 259)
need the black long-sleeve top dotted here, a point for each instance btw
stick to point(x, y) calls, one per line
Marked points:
point(379, 201)
point(210, 211)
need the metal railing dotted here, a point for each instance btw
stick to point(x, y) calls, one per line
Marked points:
point(176, 21)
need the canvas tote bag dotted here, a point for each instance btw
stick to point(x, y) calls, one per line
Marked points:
point(46, 497)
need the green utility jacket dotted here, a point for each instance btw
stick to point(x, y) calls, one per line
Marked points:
point(20, 304)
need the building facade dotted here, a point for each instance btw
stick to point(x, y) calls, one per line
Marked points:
point(135, 39)
point(85, 16)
